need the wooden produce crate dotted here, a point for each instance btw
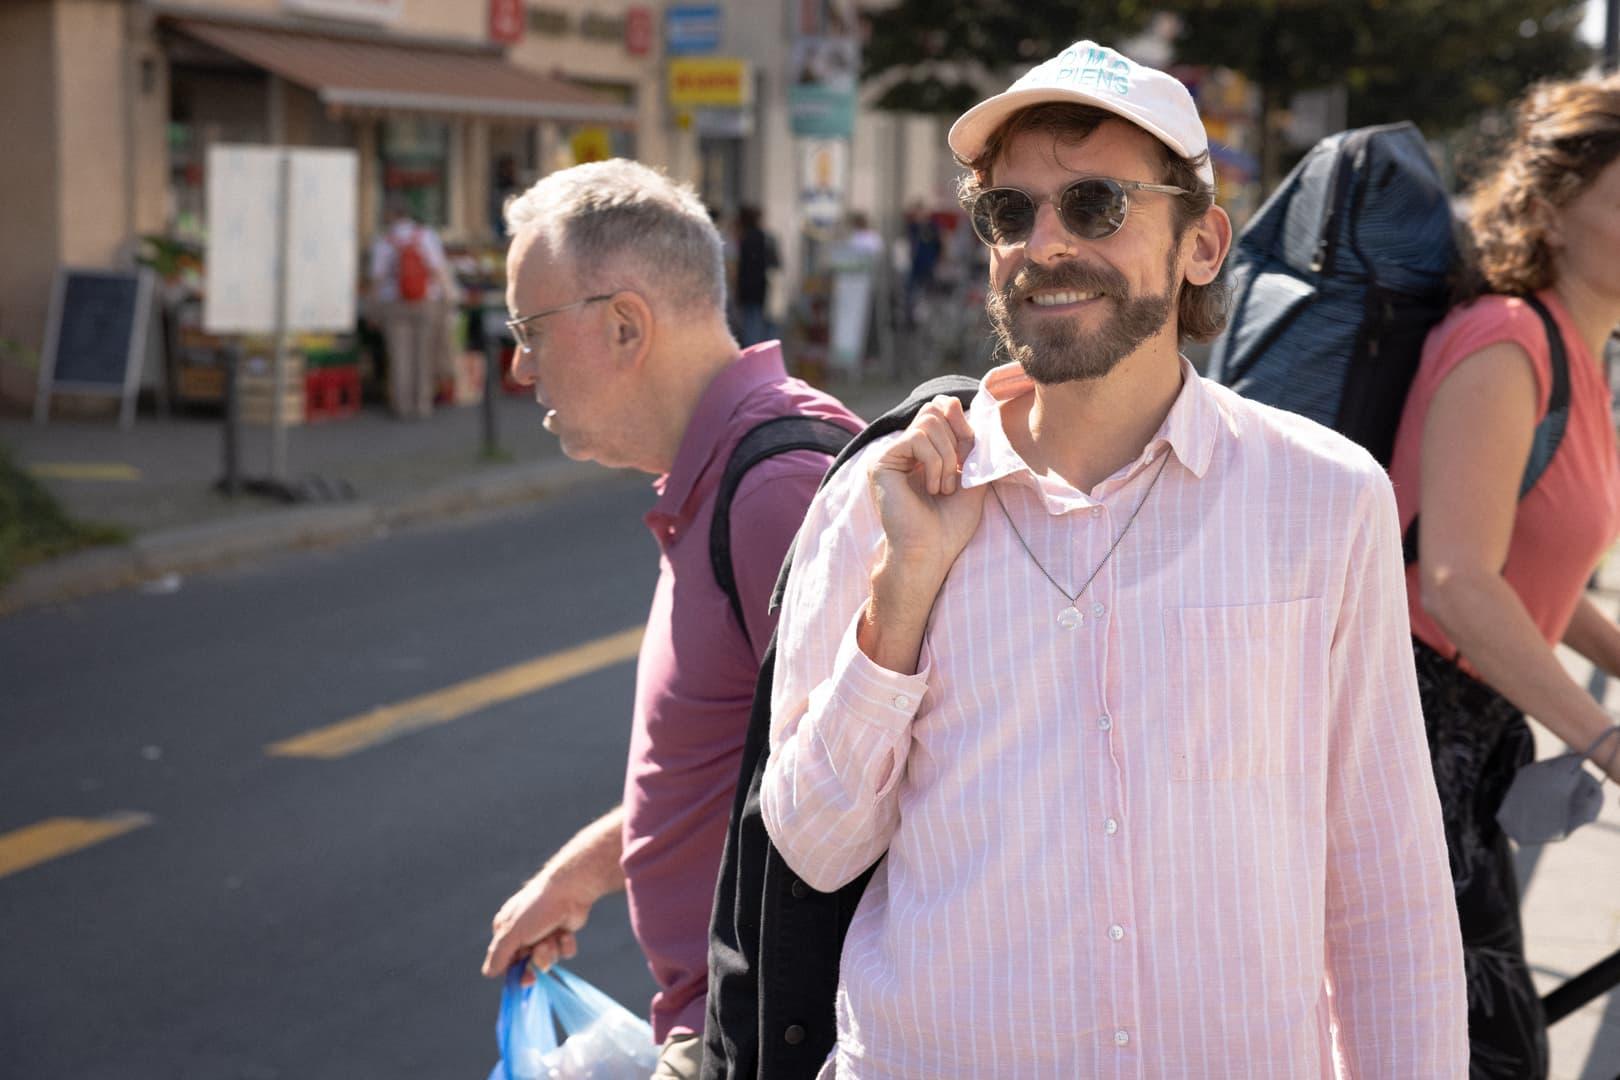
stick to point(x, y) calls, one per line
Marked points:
point(255, 390)
point(200, 382)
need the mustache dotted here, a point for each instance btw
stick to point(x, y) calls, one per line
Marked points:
point(1081, 277)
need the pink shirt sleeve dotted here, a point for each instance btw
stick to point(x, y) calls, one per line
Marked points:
point(840, 724)
point(1394, 952)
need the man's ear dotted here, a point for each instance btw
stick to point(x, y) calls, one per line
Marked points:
point(630, 326)
point(1206, 245)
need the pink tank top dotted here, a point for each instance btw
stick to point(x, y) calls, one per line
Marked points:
point(1571, 517)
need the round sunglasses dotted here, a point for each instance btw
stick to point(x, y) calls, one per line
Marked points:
point(1092, 208)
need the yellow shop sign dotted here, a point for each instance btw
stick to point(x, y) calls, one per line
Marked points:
point(709, 82)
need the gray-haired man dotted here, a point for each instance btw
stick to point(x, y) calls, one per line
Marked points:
point(616, 284)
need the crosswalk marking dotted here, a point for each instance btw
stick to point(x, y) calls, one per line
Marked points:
point(389, 722)
point(56, 837)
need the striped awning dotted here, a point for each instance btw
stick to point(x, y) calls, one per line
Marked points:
point(371, 74)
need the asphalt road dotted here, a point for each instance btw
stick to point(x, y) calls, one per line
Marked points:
point(294, 917)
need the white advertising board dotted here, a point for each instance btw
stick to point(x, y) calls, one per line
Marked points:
point(240, 267)
point(244, 232)
point(321, 253)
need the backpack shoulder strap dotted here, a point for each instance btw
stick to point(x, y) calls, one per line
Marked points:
point(1549, 433)
point(781, 435)
point(763, 917)
point(896, 419)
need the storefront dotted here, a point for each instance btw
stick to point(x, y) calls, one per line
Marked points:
point(430, 118)
point(442, 118)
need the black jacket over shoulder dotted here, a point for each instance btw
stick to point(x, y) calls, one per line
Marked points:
point(774, 942)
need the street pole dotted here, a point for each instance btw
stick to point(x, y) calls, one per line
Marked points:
point(1611, 39)
point(493, 343)
point(278, 418)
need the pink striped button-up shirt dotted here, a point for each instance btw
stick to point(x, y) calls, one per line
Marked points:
point(1196, 835)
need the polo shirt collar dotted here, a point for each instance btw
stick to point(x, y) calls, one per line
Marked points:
point(709, 426)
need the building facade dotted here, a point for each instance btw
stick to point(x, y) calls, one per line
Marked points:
point(450, 105)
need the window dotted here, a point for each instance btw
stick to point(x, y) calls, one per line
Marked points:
point(415, 169)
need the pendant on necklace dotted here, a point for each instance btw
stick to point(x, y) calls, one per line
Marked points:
point(1070, 617)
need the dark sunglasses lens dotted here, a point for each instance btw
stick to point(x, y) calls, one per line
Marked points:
point(1093, 209)
point(1003, 216)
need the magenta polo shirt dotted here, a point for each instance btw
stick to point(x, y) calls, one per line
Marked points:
point(695, 677)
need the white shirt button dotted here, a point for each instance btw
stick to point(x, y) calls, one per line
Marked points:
point(1105, 722)
point(901, 701)
point(1110, 826)
point(1096, 511)
point(1098, 609)
point(1122, 1037)
point(1116, 932)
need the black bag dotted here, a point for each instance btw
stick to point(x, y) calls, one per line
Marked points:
point(774, 942)
point(780, 435)
point(1336, 282)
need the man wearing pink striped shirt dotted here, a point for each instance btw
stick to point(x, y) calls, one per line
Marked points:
point(1112, 669)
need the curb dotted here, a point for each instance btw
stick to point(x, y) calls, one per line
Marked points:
point(190, 549)
point(195, 548)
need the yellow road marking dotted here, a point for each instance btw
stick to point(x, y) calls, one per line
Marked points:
point(55, 837)
point(453, 702)
point(77, 470)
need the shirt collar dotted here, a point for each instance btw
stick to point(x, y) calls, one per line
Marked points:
point(709, 427)
point(1190, 429)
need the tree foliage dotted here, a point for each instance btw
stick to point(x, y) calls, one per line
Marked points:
point(930, 49)
point(1436, 62)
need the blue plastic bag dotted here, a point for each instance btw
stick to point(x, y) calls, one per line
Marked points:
point(602, 1040)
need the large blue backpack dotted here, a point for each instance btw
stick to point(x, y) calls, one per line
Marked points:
point(1337, 280)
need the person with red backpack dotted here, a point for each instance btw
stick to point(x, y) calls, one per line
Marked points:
point(411, 292)
point(1502, 560)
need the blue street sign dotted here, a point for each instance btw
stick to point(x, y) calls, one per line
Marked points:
point(692, 29)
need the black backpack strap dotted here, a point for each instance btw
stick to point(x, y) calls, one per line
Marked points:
point(1549, 433)
point(896, 419)
point(781, 435)
point(774, 942)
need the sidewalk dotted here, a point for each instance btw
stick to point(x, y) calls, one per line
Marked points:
point(1571, 894)
point(157, 480)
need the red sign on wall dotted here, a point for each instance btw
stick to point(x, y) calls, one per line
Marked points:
point(638, 31)
point(506, 21)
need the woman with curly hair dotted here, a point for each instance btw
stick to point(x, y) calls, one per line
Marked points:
point(1500, 580)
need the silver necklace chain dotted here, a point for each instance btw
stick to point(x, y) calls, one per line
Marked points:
point(1128, 523)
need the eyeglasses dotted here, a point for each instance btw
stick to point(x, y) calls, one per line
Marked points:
point(1092, 209)
point(517, 325)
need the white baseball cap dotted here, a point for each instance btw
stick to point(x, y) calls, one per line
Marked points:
point(1092, 74)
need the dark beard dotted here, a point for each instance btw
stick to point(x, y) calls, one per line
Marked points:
point(1059, 351)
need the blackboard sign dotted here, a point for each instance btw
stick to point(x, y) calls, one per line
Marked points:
point(95, 337)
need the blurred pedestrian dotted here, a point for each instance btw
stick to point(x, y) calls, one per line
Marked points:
point(1500, 580)
point(412, 292)
point(861, 239)
point(923, 248)
point(616, 284)
point(503, 186)
point(757, 259)
point(1111, 670)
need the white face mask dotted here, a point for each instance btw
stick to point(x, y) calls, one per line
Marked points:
point(1550, 799)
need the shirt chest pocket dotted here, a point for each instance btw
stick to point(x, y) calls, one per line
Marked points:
point(1245, 689)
